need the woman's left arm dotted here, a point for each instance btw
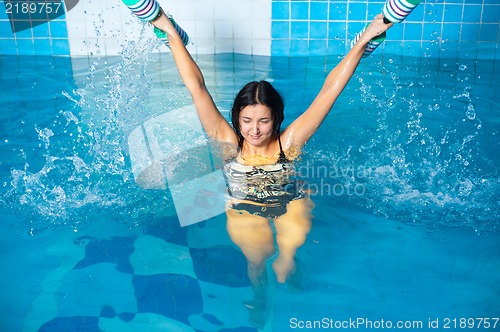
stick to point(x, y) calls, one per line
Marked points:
point(300, 130)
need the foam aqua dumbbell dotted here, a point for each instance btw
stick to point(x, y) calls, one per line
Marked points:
point(396, 11)
point(372, 44)
point(163, 36)
point(147, 11)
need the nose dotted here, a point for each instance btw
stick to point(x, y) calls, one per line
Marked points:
point(255, 128)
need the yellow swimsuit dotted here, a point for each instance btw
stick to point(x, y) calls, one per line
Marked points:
point(264, 190)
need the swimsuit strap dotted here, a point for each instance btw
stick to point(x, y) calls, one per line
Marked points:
point(282, 158)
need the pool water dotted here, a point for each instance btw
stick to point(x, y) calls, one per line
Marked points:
point(405, 182)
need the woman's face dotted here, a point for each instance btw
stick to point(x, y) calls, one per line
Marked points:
point(256, 124)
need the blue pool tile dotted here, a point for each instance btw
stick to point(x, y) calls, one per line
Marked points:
point(43, 46)
point(25, 46)
point(374, 9)
point(300, 11)
point(87, 291)
point(41, 30)
point(72, 324)
point(451, 32)
point(486, 51)
point(169, 230)
point(212, 319)
point(431, 31)
point(24, 34)
point(433, 13)
point(58, 29)
point(172, 295)
point(453, 13)
point(396, 32)
point(126, 316)
point(319, 30)
point(338, 11)
point(211, 265)
point(280, 29)
point(115, 250)
point(353, 28)
point(468, 50)
point(429, 49)
point(240, 329)
point(488, 32)
point(449, 51)
point(299, 47)
point(60, 47)
point(280, 47)
point(357, 11)
point(3, 13)
point(319, 11)
point(280, 11)
point(395, 48)
point(8, 46)
point(318, 47)
point(299, 29)
point(470, 32)
point(6, 30)
point(491, 14)
point(336, 30)
point(337, 46)
point(413, 31)
point(107, 311)
point(411, 48)
point(472, 14)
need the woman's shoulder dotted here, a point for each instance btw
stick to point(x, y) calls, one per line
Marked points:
point(290, 149)
point(226, 150)
point(292, 153)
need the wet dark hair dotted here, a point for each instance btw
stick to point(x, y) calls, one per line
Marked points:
point(258, 93)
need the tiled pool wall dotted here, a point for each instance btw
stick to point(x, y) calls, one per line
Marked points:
point(436, 28)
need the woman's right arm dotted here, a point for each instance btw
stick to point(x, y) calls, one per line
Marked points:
point(214, 124)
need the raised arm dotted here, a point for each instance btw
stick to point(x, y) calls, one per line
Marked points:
point(214, 124)
point(300, 130)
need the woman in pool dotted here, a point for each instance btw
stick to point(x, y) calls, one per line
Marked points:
point(259, 171)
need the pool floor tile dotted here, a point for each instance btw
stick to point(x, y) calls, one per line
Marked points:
point(171, 295)
point(153, 255)
point(222, 265)
point(115, 250)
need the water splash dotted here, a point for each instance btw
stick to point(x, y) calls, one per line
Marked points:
point(423, 158)
point(79, 166)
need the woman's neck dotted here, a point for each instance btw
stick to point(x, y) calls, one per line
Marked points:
point(269, 150)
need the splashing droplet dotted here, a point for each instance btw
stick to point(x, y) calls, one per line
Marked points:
point(471, 113)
